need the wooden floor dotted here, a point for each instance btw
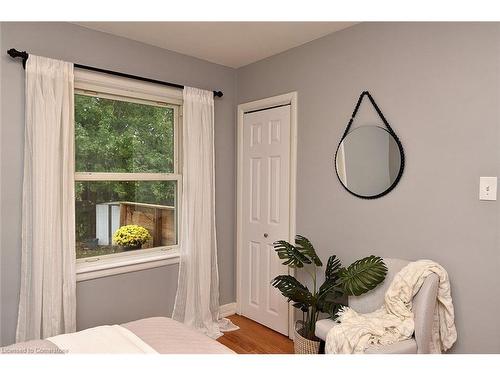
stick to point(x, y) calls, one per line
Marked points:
point(254, 338)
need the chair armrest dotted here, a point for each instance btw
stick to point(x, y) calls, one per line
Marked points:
point(423, 307)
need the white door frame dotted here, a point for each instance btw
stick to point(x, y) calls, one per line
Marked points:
point(289, 98)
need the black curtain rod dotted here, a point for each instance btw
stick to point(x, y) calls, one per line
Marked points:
point(14, 53)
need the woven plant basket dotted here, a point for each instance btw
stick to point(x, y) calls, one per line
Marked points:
point(301, 344)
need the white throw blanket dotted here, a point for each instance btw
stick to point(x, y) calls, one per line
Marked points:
point(394, 322)
point(102, 339)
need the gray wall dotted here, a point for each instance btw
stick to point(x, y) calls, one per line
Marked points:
point(111, 299)
point(438, 85)
point(126, 297)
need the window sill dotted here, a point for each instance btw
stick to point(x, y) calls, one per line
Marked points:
point(127, 263)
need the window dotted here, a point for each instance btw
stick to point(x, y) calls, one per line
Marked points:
point(126, 173)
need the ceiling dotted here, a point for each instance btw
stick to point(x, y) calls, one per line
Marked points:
point(233, 44)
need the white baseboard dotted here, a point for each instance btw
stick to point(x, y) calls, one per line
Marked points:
point(228, 309)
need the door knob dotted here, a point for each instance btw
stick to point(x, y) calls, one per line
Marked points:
point(266, 235)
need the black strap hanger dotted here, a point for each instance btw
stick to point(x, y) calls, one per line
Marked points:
point(377, 109)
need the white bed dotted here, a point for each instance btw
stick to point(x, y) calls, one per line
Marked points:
point(162, 335)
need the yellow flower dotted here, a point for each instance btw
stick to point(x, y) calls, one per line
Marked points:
point(131, 235)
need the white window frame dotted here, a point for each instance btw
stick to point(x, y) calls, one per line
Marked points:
point(108, 86)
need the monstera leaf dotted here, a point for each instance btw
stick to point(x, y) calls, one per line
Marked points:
point(331, 305)
point(330, 293)
point(328, 287)
point(306, 248)
point(293, 290)
point(363, 275)
point(334, 310)
point(332, 267)
point(294, 258)
point(331, 283)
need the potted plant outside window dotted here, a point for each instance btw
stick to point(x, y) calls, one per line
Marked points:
point(131, 237)
point(360, 277)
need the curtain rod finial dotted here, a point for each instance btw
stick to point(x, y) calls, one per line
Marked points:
point(14, 53)
point(218, 94)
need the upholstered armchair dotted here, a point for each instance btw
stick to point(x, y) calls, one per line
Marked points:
point(423, 309)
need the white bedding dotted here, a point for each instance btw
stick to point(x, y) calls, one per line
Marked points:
point(103, 339)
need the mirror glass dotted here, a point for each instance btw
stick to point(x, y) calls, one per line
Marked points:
point(369, 161)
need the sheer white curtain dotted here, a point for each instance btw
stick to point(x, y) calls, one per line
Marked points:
point(47, 304)
point(197, 300)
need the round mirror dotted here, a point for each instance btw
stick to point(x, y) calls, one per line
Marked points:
point(369, 161)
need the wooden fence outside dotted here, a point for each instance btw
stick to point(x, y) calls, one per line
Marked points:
point(159, 220)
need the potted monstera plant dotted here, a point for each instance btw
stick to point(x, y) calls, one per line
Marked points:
point(360, 277)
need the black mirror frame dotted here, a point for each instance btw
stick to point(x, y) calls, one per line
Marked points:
point(389, 130)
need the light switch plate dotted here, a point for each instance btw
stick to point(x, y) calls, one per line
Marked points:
point(488, 188)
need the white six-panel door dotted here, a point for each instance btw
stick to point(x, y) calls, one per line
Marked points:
point(265, 216)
